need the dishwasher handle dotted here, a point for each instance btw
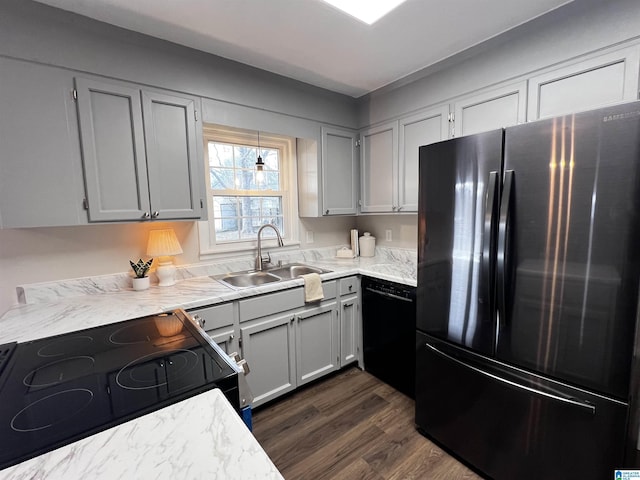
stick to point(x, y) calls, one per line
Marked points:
point(389, 295)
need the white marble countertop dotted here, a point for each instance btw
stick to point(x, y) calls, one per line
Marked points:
point(195, 438)
point(199, 438)
point(90, 305)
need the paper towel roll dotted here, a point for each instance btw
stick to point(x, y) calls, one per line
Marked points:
point(354, 242)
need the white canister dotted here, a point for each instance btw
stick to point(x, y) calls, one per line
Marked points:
point(367, 245)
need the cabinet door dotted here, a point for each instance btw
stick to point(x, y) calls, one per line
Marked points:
point(40, 170)
point(379, 163)
point(172, 156)
point(114, 158)
point(269, 348)
point(492, 109)
point(417, 130)
point(317, 337)
point(225, 337)
point(349, 329)
point(339, 172)
point(596, 82)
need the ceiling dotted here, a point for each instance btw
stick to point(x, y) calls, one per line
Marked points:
point(311, 41)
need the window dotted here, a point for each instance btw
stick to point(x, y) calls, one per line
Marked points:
point(241, 199)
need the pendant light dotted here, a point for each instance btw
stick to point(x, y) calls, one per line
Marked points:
point(259, 162)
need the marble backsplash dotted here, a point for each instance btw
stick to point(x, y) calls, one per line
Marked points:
point(52, 291)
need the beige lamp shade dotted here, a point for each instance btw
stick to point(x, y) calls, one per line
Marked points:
point(163, 243)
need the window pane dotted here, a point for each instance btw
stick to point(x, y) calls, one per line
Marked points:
point(241, 217)
point(220, 155)
point(221, 178)
point(232, 172)
point(246, 157)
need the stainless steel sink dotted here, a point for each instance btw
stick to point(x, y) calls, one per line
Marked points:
point(253, 278)
point(248, 279)
point(294, 270)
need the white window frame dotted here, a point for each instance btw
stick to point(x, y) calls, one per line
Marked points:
point(206, 229)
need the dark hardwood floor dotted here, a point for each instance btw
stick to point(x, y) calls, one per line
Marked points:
point(350, 426)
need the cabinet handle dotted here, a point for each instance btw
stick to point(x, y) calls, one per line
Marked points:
point(231, 337)
point(326, 212)
point(156, 214)
point(350, 287)
point(146, 215)
point(347, 305)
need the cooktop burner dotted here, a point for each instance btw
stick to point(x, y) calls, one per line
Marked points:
point(59, 389)
point(59, 371)
point(45, 413)
point(64, 345)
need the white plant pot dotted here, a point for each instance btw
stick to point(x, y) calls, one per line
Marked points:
point(140, 283)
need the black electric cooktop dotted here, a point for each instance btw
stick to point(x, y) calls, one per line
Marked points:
point(56, 390)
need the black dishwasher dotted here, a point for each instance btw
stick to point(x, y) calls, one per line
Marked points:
point(389, 323)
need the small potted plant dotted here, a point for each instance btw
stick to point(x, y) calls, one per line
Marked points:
point(141, 280)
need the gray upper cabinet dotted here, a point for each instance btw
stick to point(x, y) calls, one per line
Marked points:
point(328, 173)
point(339, 172)
point(40, 167)
point(389, 159)
point(593, 82)
point(416, 130)
point(378, 164)
point(140, 153)
point(490, 109)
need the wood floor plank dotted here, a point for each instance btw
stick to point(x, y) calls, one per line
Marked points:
point(351, 426)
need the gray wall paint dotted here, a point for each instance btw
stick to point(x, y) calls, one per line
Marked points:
point(576, 29)
point(44, 34)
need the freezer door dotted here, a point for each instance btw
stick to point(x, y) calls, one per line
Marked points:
point(568, 257)
point(457, 222)
point(511, 425)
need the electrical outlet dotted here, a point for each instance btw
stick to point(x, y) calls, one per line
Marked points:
point(309, 236)
point(387, 235)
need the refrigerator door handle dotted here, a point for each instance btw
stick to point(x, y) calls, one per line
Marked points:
point(502, 257)
point(488, 240)
point(577, 403)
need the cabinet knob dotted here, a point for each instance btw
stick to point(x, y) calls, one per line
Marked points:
point(326, 212)
point(231, 337)
point(393, 208)
point(350, 287)
point(155, 214)
point(146, 215)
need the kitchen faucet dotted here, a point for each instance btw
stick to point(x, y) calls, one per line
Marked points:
point(267, 259)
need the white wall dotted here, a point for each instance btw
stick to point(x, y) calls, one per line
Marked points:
point(31, 255)
point(404, 229)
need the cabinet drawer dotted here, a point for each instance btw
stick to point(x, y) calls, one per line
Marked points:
point(264, 305)
point(216, 316)
point(329, 289)
point(349, 285)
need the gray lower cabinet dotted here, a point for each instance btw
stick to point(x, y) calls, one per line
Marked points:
point(220, 323)
point(139, 152)
point(41, 181)
point(317, 342)
point(269, 348)
point(349, 329)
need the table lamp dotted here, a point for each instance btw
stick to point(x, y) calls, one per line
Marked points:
point(163, 244)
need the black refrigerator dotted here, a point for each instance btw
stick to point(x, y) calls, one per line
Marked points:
point(527, 299)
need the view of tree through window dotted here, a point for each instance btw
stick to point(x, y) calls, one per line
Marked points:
point(244, 199)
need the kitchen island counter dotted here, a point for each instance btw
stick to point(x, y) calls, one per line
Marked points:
point(201, 437)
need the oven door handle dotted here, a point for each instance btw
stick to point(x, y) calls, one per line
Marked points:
point(390, 295)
